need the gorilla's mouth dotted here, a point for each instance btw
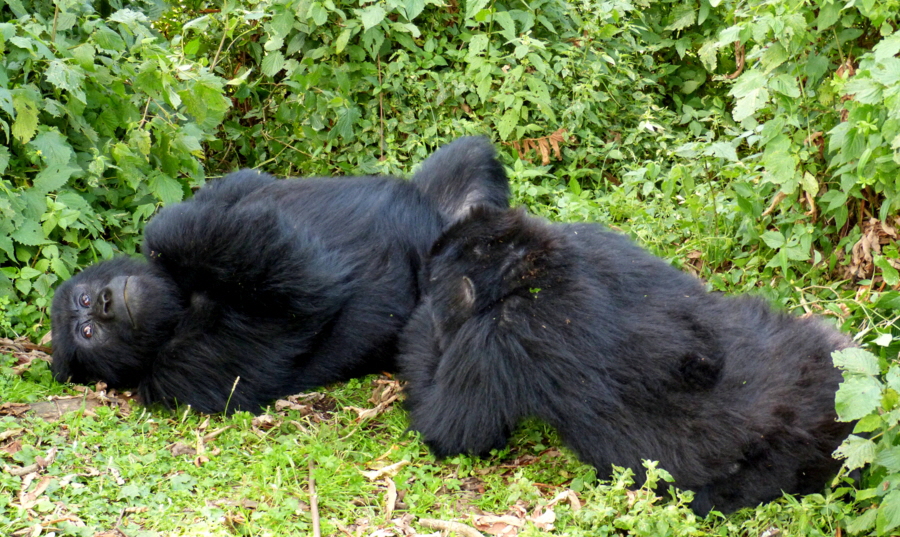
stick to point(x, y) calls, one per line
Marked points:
point(125, 301)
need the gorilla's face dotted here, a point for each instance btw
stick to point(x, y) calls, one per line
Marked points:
point(109, 320)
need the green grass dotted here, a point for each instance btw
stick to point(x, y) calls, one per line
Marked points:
point(150, 472)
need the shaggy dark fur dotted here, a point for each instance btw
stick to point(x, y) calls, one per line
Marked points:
point(258, 288)
point(626, 356)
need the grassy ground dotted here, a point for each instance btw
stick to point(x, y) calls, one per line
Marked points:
point(95, 463)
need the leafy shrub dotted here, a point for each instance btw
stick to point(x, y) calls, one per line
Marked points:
point(103, 123)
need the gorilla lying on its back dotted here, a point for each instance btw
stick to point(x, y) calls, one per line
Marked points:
point(285, 285)
point(626, 356)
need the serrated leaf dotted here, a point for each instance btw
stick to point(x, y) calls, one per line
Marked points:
point(780, 163)
point(856, 397)
point(750, 103)
point(272, 63)
point(887, 47)
point(857, 450)
point(708, 55)
point(473, 7)
point(53, 147)
point(26, 122)
point(371, 16)
point(862, 523)
point(165, 188)
point(773, 56)
point(507, 123)
point(683, 16)
point(60, 268)
point(108, 39)
point(856, 361)
point(722, 150)
point(343, 127)
point(29, 233)
point(888, 513)
point(507, 24)
point(53, 177)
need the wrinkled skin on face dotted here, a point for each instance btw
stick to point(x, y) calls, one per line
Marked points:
point(108, 322)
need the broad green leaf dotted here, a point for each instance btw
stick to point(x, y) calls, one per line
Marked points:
point(829, 13)
point(26, 107)
point(507, 123)
point(108, 39)
point(29, 233)
point(371, 16)
point(53, 147)
point(53, 177)
point(165, 188)
point(809, 183)
point(507, 25)
point(272, 63)
point(282, 23)
point(341, 42)
point(780, 163)
point(750, 103)
point(857, 450)
point(889, 300)
point(4, 159)
point(856, 397)
point(60, 268)
point(856, 361)
point(888, 47)
point(888, 272)
point(413, 8)
point(683, 16)
point(773, 239)
point(473, 7)
point(862, 523)
point(888, 513)
point(722, 150)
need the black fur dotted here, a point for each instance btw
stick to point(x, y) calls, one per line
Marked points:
point(626, 356)
point(286, 284)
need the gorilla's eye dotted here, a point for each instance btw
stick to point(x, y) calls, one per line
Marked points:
point(87, 330)
point(85, 300)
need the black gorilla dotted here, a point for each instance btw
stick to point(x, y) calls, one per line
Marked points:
point(626, 356)
point(258, 288)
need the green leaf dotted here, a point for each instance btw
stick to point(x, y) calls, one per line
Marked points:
point(507, 25)
point(888, 272)
point(780, 162)
point(809, 183)
point(108, 39)
point(862, 523)
point(272, 63)
point(507, 123)
point(828, 15)
point(4, 159)
point(341, 42)
point(26, 121)
point(165, 188)
point(856, 397)
point(888, 47)
point(722, 150)
point(29, 233)
point(889, 300)
point(773, 239)
point(53, 177)
point(371, 16)
point(683, 16)
point(473, 7)
point(750, 103)
point(857, 450)
point(888, 513)
point(53, 147)
point(856, 361)
point(413, 8)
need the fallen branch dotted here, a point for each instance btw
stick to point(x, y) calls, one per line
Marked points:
point(314, 502)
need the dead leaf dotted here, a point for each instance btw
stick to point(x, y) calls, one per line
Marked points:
point(180, 448)
point(502, 526)
point(387, 471)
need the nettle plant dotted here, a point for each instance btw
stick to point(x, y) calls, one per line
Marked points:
point(103, 123)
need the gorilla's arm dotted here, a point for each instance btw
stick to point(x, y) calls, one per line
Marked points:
point(463, 174)
point(248, 255)
point(458, 400)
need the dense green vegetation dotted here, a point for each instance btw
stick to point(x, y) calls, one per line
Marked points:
point(754, 143)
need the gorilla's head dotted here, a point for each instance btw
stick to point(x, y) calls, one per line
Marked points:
point(109, 322)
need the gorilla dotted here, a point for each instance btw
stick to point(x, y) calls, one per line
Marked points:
point(258, 288)
point(626, 356)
